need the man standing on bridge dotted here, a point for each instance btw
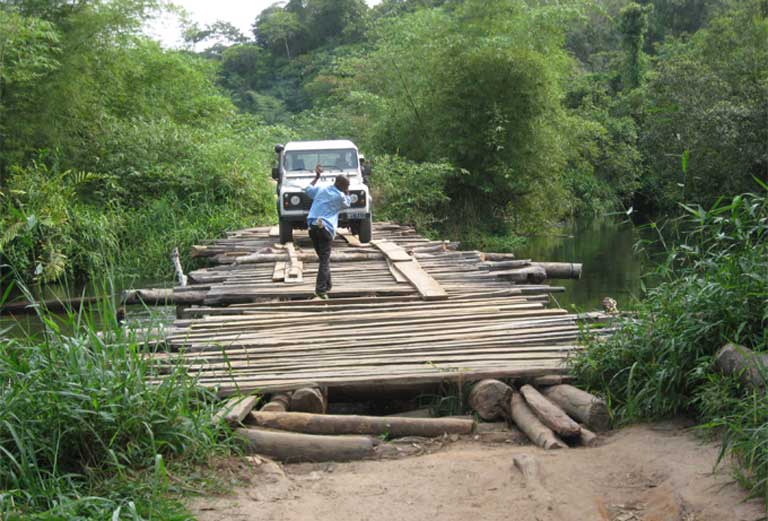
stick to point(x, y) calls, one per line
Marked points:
point(323, 219)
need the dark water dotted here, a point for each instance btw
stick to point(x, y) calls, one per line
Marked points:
point(606, 248)
point(138, 316)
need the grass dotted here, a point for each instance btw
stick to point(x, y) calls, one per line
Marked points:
point(88, 431)
point(713, 289)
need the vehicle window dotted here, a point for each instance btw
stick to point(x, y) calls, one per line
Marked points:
point(303, 160)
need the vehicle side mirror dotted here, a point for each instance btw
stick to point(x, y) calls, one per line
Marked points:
point(276, 173)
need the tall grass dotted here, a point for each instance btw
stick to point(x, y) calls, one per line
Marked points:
point(713, 290)
point(88, 431)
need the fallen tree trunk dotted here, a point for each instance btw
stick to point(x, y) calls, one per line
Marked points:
point(290, 447)
point(393, 426)
point(527, 421)
point(580, 405)
point(550, 414)
point(750, 367)
point(490, 399)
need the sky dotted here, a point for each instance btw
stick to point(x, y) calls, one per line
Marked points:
point(240, 13)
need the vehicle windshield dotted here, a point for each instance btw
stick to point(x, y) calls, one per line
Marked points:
point(306, 160)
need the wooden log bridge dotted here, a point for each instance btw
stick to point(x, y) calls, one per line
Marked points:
point(403, 310)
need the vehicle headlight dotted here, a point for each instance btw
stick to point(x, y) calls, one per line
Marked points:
point(295, 200)
point(353, 198)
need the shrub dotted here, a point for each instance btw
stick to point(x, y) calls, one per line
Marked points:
point(713, 290)
point(87, 428)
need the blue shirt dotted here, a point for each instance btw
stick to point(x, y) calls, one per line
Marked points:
point(327, 202)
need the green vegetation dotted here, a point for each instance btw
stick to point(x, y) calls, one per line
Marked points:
point(513, 115)
point(87, 431)
point(714, 290)
point(115, 151)
point(486, 120)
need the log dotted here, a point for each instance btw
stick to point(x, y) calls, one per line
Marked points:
point(527, 421)
point(587, 438)
point(530, 274)
point(308, 399)
point(749, 366)
point(550, 414)
point(497, 256)
point(235, 409)
point(561, 270)
point(551, 379)
point(392, 426)
point(580, 405)
point(490, 399)
point(291, 447)
point(278, 403)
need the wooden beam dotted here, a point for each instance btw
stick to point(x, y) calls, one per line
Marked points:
point(427, 286)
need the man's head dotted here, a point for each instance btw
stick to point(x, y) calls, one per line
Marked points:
point(342, 183)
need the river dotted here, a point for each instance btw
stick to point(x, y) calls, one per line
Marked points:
point(606, 248)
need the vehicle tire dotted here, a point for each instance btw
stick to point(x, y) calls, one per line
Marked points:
point(354, 227)
point(286, 232)
point(366, 229)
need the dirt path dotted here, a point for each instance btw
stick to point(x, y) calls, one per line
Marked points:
point(659, 472)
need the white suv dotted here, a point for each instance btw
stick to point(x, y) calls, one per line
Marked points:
point(295, 169)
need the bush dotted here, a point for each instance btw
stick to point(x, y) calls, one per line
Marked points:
point(87, 427)
point(409, 192)
point(714, 290)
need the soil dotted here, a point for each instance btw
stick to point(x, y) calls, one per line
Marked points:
point(658, 472)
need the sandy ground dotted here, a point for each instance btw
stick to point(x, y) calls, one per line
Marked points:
point(658, 472)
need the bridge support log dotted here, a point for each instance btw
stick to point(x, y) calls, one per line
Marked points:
point(550, 414)
point(580, 405)
point(527, 421)
point(490, 399)
point(290, 447)
point(309, 399)
point(392, 426)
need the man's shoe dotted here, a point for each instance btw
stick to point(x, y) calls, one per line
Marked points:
point(321, 296)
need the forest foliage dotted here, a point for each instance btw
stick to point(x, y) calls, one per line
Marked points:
point(508, 114)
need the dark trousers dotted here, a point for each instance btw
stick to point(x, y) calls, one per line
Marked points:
point(321, 240)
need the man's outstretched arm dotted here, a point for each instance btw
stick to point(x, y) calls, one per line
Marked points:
point(312, 189)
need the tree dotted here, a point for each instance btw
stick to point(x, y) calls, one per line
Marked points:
point(28, 51)
point(633, 25)
point(707, 102)
point(275, 27)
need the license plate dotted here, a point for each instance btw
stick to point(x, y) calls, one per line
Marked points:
point(355, 215)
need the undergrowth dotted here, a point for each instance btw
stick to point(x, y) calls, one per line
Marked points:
point(89, 431)
point(713, 289)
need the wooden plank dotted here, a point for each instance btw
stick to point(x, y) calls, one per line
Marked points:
point(293, 268)
point(274, 231)
point(392, 251)
point(399, 277)
point(349, 238)
point(427, 286)
point(278, 275)
point(235, 409)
